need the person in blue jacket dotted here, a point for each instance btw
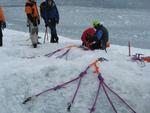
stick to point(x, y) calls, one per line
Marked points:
point(50, 14)
point(101, 36)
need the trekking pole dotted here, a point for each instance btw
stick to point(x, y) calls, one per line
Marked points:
point(129, 46)
point(46, 35)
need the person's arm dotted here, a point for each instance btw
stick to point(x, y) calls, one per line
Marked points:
point(57, 16)
point(2, 19)
point(99, 34)
point(41, 9)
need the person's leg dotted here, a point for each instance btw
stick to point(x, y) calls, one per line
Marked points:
point(92, 47)
point(97, 45)
point(103, 45)
point(54, 37)
point(1, 38)
point(37, 32)
point(33, 35)
point(29, 25)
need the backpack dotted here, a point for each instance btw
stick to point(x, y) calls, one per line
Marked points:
point(105, 36)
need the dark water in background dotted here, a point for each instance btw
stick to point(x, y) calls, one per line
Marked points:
point(123, 24)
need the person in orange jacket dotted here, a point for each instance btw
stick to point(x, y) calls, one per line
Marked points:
point(2, 25)
point(33, 20)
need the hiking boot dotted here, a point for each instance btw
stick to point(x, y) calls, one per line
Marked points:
point(52, 40)
point(39, 37)
point(1, 43)
point(56, 40)
point(38, 42)
point(35, 45)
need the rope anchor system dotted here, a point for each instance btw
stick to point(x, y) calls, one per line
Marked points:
point(79, 79)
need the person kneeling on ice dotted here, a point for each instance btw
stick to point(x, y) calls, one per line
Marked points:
point(33, 20)
point(2, 25)
point(87, 37)
point(95, 37)
point(50, 15)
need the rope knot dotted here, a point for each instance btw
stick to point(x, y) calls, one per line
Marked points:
point(57, 87)
point(92, 109)
point(101, 79)
point(83, 73)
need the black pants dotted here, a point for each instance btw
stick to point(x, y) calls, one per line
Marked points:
point(97, 45)
point(54, 37)
point(1, 37)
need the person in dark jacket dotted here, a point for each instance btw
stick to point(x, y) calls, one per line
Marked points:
point(49, 13)
point(33, 17)
point(101, 36)
point(2, 25)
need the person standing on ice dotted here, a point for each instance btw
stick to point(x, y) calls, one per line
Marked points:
point(50, 15)
point(33, 20)
point(2, 25)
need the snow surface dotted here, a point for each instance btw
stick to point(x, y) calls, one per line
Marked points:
point(22, 76)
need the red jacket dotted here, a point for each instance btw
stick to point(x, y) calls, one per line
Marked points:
point(2, 18)
point(91, 31)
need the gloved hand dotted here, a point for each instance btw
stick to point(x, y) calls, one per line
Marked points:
point(3, 25)
point(46, 23)
point(27, 23)
point(38, 21)
point(35, 24)
point(57, 21)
